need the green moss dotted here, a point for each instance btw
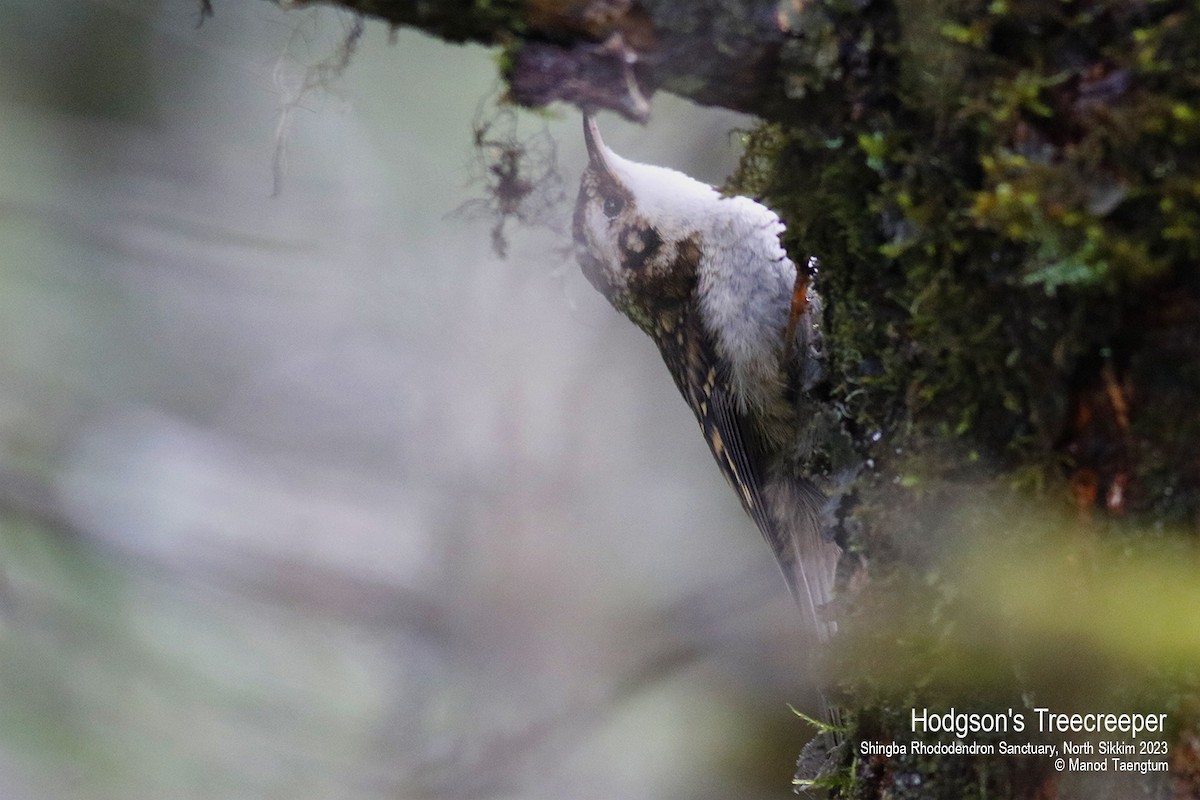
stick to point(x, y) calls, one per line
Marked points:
point(989, 207)
point(1005, 200)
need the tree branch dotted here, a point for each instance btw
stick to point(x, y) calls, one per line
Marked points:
point(745, 55)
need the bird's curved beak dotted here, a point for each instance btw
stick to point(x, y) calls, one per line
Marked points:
point(597, 152)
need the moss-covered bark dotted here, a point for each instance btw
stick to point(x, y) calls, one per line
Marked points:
point(1003, 196)
point(484, 21)
point(613, 53)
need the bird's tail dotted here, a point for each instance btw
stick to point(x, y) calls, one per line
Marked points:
point(808, 559)
point(806, 555)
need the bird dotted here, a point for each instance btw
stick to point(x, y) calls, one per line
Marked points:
point(739, 329)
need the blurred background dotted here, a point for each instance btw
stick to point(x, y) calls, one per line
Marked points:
point(306, 493)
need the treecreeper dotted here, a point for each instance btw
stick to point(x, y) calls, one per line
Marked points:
point(739, 327)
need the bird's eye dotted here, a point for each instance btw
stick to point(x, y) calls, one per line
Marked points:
point(613, 205)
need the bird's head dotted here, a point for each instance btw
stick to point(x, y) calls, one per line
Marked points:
point(639, 231)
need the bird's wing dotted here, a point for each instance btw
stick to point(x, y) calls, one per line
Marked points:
point(786, 508)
